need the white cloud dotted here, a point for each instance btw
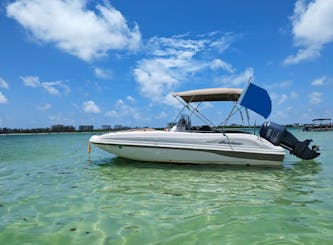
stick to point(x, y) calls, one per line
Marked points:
point(316, 98)
point(130, 99)
point(285, 113)
point(282, 99)
point(279, 98)
point(319, 81)
point(3, 83)
point(102, 73)
point(74, 28)
point(31, 81)
point(170, 62)
point(3, 99)
point(61, 119)
point(123, 110)
point(90, 107)
point(220, 64)
point(176, 46)
point(112, 113)
point(171, 101)
point(303, 54)
point(283, 84)
point(238, 79)
point(120, 103)
point(312, 29)
point(223, 43)
point(54, 88)
point(155, 77)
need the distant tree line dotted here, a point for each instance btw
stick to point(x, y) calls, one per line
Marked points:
point(53, 129)
point(57, 129)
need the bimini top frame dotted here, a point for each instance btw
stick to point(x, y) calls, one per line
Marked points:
point(210, 95)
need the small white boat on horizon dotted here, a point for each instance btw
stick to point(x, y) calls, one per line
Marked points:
point(209, 145)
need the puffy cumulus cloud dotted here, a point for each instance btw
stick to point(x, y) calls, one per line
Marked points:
point(54, 88)
point(316, 98)
point(74, 28)
point(155, 77)
point(172, 61)
point(90, 107)
point(312, 29)
point(3, 99)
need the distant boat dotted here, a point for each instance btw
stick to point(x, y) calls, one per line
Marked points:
point(184, 143)
point(319, 124)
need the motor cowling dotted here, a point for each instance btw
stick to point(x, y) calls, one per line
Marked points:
point(279, 135)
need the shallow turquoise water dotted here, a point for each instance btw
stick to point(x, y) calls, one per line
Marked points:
point(52, 193)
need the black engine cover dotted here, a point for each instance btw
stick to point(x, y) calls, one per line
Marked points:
point(279, 135)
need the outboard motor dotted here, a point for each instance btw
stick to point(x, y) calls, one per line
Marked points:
point(279, 135)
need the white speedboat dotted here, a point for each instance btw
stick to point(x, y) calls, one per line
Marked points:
point(204, 145)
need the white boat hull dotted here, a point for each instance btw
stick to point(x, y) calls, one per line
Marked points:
point(194, 148)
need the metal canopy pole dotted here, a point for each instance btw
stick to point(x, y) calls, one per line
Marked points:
point(194, 110)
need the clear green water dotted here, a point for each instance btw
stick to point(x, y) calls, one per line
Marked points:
point(51, 193)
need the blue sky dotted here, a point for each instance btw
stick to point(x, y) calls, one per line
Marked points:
point(118, 62)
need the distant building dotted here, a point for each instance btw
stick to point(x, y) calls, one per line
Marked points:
point(118, 126)
point(86, 128)
point(106, 127)
point(57, 128)
point(62, 128)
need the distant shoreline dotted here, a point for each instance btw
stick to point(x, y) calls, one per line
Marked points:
point(31, 131)
point(76, 132)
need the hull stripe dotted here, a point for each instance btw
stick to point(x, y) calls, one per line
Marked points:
point(236, 154)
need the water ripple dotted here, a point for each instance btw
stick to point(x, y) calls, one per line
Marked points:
point(56, 193)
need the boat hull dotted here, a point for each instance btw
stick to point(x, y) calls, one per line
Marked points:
point(194, 148)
